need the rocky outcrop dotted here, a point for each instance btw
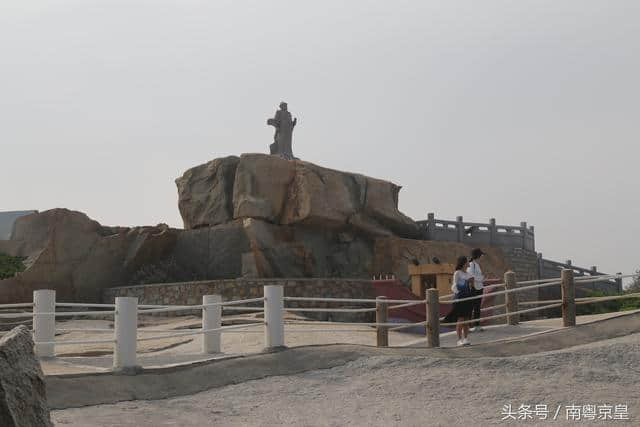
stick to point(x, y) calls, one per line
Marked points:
point(290, 193)
point(393, 255)
point(7, 219)
point(23, 398)
point(256, 248)
point(76, 256)
point(205, 193)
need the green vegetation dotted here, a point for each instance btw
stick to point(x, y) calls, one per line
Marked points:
point(635, 285)
point(10, 265)
point(609, 306)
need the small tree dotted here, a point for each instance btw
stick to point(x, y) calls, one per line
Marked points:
point(10, 265)
point(635, 285)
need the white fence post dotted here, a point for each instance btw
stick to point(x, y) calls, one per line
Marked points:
point(211, 319)
point(274, 316)
point(44, 321)
point(126, 335)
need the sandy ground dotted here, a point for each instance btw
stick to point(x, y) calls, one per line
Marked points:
point(166, 351)
point(162, 352)
point(408, 391)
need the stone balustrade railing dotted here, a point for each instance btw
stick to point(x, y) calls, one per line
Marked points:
point(479, 234)
point(548, 269)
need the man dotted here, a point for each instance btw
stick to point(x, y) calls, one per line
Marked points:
point(284, 132)
point(478, 285)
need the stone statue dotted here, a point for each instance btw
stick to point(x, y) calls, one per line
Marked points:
point(284, 132)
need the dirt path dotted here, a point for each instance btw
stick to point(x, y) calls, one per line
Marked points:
point(409, 391)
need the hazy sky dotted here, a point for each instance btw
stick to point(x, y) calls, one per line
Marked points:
point(518, 110)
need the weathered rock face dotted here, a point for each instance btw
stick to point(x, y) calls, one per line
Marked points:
point(78, 257)
point(286, 192)
point(256, 248)
point(23, 399)
point(205, 193)
point(393, 255)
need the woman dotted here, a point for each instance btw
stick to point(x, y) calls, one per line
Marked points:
point(461, 311)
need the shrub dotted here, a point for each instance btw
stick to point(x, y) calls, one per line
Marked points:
point(10, 265)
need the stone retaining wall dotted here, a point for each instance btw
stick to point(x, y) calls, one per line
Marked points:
point(190, 293)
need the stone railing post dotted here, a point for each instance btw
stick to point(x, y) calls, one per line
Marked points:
point(44, 322)
point(274, 316)
point(211, 319)
point(126, 335)
point(568, 298)
point(431, 226)
point(511, 298)
point(460, 228)
point(382, 316)
point(540, 266)
point(433, 318)
point(533, 238)
point(523, 232)
point(493, 238)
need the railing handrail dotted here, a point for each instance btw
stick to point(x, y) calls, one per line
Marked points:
point(126, 328)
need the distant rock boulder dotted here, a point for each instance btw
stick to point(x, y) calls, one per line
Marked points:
point(23, 397)
point(75, 255)
point(6, 222)
point(284, 192)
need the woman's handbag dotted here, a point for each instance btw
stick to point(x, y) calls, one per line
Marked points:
point(464, 291)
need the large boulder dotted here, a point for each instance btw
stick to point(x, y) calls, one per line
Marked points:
point(284, 192)
point(23, 397)
point(75, 255)
point(205, 193)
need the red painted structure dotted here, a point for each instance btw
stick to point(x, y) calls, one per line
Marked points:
point(394, 289)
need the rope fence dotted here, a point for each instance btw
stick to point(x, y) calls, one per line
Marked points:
point(127, 333)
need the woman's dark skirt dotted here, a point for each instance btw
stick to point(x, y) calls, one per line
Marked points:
point(460, 309)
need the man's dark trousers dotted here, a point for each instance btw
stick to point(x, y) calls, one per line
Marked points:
point(476, 305)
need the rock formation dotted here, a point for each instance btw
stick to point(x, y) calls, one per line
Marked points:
point(292, 193)
point(23, 398)
point(76, 256)
point(7, 219)
point(250, 216)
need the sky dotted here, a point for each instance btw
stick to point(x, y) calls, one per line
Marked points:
point(515, 110)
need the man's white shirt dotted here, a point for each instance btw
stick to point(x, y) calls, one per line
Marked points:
point(475, 271)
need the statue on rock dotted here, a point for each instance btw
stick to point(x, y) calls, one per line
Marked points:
point(284, 132)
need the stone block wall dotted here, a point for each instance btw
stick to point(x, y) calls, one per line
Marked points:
point(190, 293)
point(525, 264)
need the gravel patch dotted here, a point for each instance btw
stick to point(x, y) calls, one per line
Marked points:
point(406, 391)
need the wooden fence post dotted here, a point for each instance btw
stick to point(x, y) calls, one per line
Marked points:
point(382, 316)
point(568, 298)
point(619, 283)
point(433, 318)
point(511, 299)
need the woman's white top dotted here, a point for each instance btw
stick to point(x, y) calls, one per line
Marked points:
point(458, 276)
point(475, 271)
